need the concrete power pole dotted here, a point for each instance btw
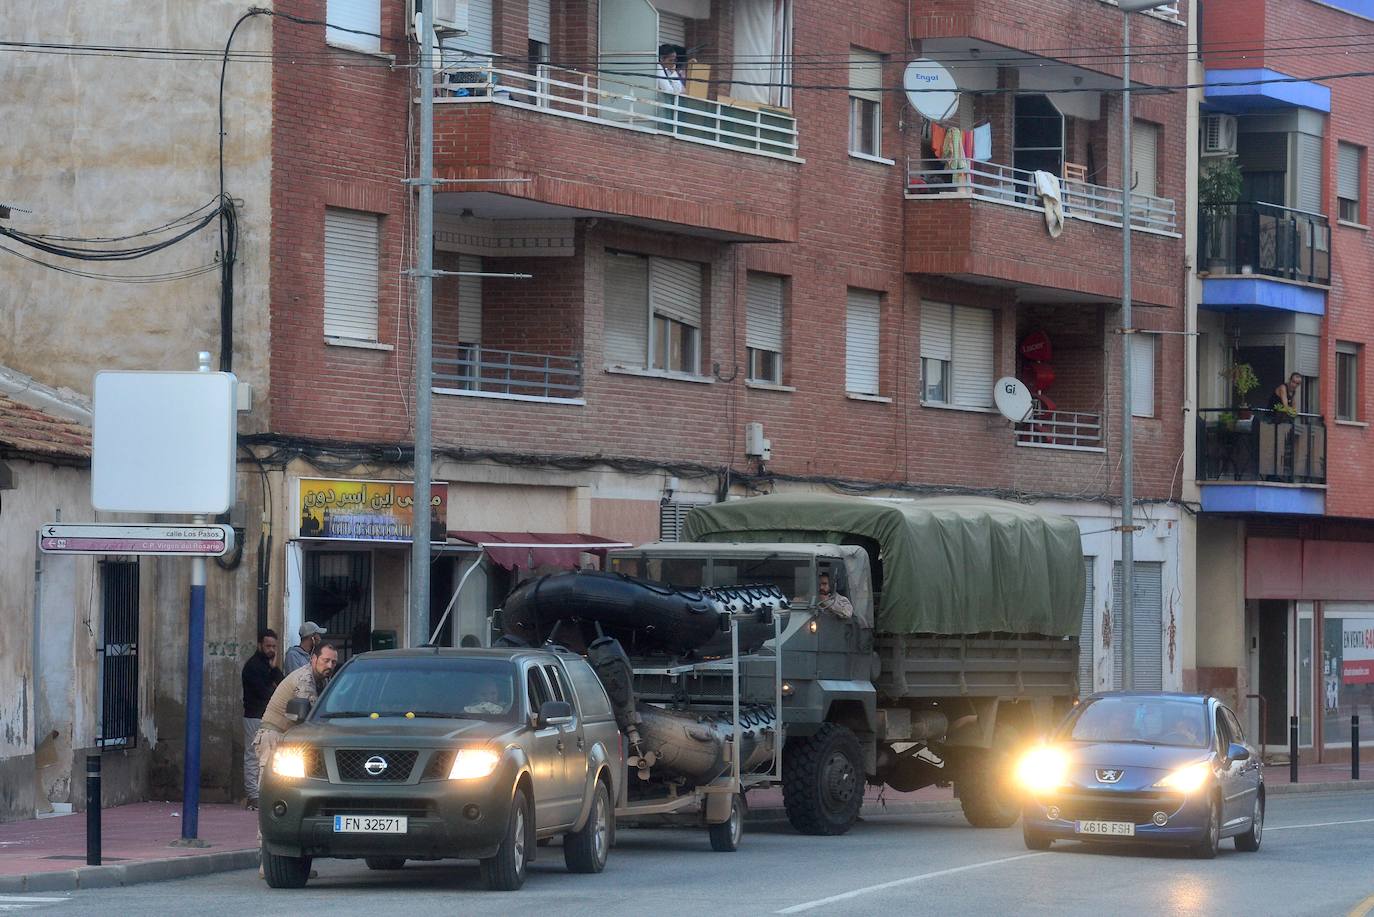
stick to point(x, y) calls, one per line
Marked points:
point(424, 339)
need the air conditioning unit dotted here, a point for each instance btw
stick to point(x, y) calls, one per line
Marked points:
point(449, 16)
point(1218, 135)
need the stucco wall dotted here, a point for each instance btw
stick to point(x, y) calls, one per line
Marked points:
point(103, 145)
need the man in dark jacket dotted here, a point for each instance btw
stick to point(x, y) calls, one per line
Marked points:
point(260, 679)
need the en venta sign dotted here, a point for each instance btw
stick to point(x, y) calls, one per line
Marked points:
point(367, 510)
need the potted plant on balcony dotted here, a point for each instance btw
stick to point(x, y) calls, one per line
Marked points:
point(1218, 188)
point(1243, 381)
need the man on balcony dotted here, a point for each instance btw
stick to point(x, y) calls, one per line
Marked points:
point(670, 79)
point(1284, 397)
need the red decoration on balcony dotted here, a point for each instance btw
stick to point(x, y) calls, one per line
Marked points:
point(1036, 346)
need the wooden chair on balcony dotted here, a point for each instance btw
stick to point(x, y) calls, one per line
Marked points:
point(1074, 171)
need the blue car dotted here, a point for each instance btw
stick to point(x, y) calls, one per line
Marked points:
point(1145, 768)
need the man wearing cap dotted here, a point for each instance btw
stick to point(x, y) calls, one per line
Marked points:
point(311, 636)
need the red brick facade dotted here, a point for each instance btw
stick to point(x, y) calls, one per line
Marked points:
point(826, 223)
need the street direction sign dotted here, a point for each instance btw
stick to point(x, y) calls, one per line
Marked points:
point(162, 538)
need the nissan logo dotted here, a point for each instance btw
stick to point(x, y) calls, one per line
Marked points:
point(375, 765)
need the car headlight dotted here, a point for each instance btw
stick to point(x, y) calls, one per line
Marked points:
point(1187, 779)
point(1042, 769)
point(289, 762)
point(472, 763)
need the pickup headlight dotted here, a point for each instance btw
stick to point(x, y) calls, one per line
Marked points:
point(289, 762)
point(473, 763)
point(1042, 769)
point(1187, 779)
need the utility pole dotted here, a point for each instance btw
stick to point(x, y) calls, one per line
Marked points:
point(424, 338)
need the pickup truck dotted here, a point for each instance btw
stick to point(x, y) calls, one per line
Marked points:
point(434, 753)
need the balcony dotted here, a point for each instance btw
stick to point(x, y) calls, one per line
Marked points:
point(986, 223)
point(1267, 462)
point(559, 143)
point(1073, 430)
point(1265, 239)
point(484, 372)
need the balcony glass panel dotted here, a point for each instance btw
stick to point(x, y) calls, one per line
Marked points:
point(1265, 239)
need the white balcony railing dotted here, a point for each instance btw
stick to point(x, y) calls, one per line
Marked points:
point(1061, 430)
point(991, 181)
point(585, 96)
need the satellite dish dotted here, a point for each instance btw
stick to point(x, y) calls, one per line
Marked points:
point(930, 89)
point(1013, 399)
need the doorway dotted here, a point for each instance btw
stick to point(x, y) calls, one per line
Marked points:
point(1270, 368)
point(1038, 138)
point(1273, 669)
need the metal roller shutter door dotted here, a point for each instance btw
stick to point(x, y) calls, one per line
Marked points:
point(626, 291)
point(861, 342)
point(350, 274)
point(675, 289)
point(973, 357)
point(763, 312)
point(1147, 610)
point(1086, 633)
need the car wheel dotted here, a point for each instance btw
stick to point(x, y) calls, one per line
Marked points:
point(284, 871)
point(1207, 850)
point(1035, 840)
point(586, 851)
point(506, 870)
point(385, 863)
point(726, 836)
point(1250, 840)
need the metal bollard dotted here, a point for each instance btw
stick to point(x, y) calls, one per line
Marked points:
point(93, 810)
point(1292, 749)
point(1354, 746)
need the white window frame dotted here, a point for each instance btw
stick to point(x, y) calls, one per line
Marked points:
point(855, 323)
point(1144, 354)
point(351, 278)
point(1348, 381)
point(363, 15)
point(865, 93)
point(1346, 174)
point(765, 296)
point(654, 317)
point(942, 342)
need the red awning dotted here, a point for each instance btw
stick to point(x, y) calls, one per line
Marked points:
point(527, 550)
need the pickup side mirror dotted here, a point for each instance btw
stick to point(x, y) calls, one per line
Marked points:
point(1238, 752)
point(297, 709)
point(553, 713)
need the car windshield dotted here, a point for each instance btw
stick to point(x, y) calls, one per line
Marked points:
point(1143, 720)
point(424, 686)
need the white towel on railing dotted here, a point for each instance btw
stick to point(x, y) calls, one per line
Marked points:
point(1047, 187)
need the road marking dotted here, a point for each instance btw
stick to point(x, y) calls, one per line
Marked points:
point(24, 903)
point(1319, 824)
point(1363, 908)
point(939, 873)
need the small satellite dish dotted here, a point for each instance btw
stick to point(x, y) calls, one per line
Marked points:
point(1013, 399)
point(930, 89)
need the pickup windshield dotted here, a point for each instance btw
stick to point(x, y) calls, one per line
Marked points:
point(423, 687)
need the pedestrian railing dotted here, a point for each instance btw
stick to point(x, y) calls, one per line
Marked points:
point(991, 181)
point(1061, 430)
point(576, 94)
point(1239, 444)
point(471, 369)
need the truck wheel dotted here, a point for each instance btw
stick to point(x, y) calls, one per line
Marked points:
point(506, 871)
point(586, 850)
point(385, 863)
point(823, 781)
point(284, 871)
point(726, 836)
point(983, 783)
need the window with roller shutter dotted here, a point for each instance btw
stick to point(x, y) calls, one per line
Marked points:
point(957, 355)
point(861, 342)
point(1147, 627)
point(763, 332)
point(539, 21)
point(865, 102)
point(351, 240)
point(355, 24)
point(653, 313)
point(1349, 171)
point(477, 40)
point(1144, 150)
point(1087, 632)
point(1142, 374)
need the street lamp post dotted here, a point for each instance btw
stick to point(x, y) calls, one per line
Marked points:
point(1127, 418)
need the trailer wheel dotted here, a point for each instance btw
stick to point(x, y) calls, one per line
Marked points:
point(823, 780)
point(726, 836)
point(983, 782)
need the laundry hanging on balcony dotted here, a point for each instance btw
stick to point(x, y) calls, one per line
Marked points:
point(1047, 188)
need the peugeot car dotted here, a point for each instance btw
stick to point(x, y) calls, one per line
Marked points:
point(1145, 768)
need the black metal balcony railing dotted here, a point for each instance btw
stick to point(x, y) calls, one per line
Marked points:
point(506, 373)
point(1236, 444)
point(1264, 239)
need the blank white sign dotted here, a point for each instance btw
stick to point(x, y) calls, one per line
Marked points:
point(164, 442)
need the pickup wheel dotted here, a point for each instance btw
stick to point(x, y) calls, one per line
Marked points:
point(506, 871)
point(284, 871)
point(983, 785)
point(586, 851)
point(823, 781)
point(385, 863)
point(726, 836)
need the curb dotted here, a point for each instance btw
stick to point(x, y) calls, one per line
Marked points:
point(65, 880)
point(1343, 786)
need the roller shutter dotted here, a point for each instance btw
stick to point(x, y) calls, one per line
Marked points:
point(675, 289)
point(973, 357)
point(356, 16)
point(478, 38)
point(1144, 150)
point(1147, 612)
point(1307, 165)
point(865, 75)
point(469, 301)
point(763, 312)
point(350, 274)
point(539, 21)
point(1142, 374)
point(1087, 640)
point(861, 342)
point(626, 310)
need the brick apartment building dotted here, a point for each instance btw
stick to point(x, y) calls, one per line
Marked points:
point(788, 243)
point(1286, 534)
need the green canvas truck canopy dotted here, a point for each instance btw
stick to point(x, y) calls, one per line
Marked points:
point(950, 565)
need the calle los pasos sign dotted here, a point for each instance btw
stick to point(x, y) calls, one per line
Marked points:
point(158, 539)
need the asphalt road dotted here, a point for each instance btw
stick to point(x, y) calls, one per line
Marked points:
point(1316, 859)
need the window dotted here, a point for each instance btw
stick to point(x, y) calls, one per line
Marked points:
point(763, 332)
point(1142, 374)
point(356, 16)
point(865, 102)
point(861, 342)
point(470, 301)
point(653, 313)
point(1349, 169)
point(556, 683)
point(1144, 147)
point(763, 51)
point(119, 648)
point(1038, 135)
point(351, 241)
point(337, 587)
point(537, 690)
point(956, 355)
point(1347, 381)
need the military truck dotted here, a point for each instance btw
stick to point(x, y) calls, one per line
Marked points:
point(961, 646)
